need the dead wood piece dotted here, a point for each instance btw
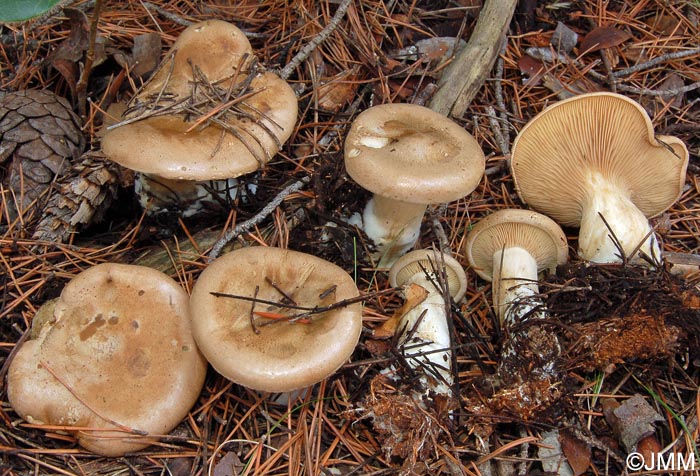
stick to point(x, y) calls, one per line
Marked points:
point(527, 401)
point(464, 77)
point(607, 342)
point(408, 428)
point(632, 421)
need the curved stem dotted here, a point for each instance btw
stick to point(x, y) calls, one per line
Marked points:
point(425, 338)
point(393, 226)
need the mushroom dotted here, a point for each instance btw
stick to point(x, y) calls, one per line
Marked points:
point(115, 360)
point(510, 247)
point(259, 316)
point(425, 331)
point(593, 161)
point(409, 157)
point(207, 115)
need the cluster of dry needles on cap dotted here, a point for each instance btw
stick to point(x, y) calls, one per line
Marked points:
point(335, 366)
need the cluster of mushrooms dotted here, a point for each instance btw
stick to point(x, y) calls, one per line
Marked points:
point(121, 355)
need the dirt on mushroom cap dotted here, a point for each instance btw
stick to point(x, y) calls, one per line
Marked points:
point(409, 153)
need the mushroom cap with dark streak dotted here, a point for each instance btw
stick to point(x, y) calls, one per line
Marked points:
point(119, 339)
point(283, 355)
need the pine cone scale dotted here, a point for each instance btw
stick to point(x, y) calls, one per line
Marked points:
point(39, 135)
point(23, 132)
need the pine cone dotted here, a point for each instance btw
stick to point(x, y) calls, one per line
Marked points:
point(81, 197)
point(39, 137)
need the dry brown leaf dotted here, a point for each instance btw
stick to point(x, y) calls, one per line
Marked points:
point(663, 24)
point(338, 91)
point(67, 55)
point(229, 465)
point(414, 295)
point(531, 67)
point(146, 53)
point(578, 453)
point(603, 37)
point(673, 81)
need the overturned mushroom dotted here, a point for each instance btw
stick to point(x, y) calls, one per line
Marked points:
point(510, 248)
point(206, 117)
point(425, 331)
point(593, 161)
point(115, 359)
point(273, 319)
point(409, 157)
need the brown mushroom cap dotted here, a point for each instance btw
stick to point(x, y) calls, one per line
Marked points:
point(419, 261)
point(413, 154)
point(239, 141)
point(532, 231)
point(284, 355)
point(603, 133)
point(120, 341)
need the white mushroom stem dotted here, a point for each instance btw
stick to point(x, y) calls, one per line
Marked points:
point(158, 194)
point(426, 341)
point(628, 224)
point(515, 292)
point(393, 226)
point(515, 286)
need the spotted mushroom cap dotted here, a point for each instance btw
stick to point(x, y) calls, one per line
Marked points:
point(115, 349)
point(557, 153)
point(229, 132)
point(410, 153)
point(538, 234)
point(281, 356)
point(431, 261)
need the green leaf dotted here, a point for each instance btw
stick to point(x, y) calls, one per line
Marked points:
point(20, 10)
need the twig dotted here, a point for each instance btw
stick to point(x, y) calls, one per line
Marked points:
point(304, 53)
point(443, 241)
point(259, 217)
point(81, 87)
point(465, 75)
point(167, 14)
point(495, 123)
point(81, 400)
point(658, 60)
point(657, 92)
point(500, 102)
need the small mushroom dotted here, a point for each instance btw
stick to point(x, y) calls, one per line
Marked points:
point(509, 248)
point(593, 161)
point(271, 331)
point(116, 360)
point(409, 157)
point(207, 115)
point(425, 331)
